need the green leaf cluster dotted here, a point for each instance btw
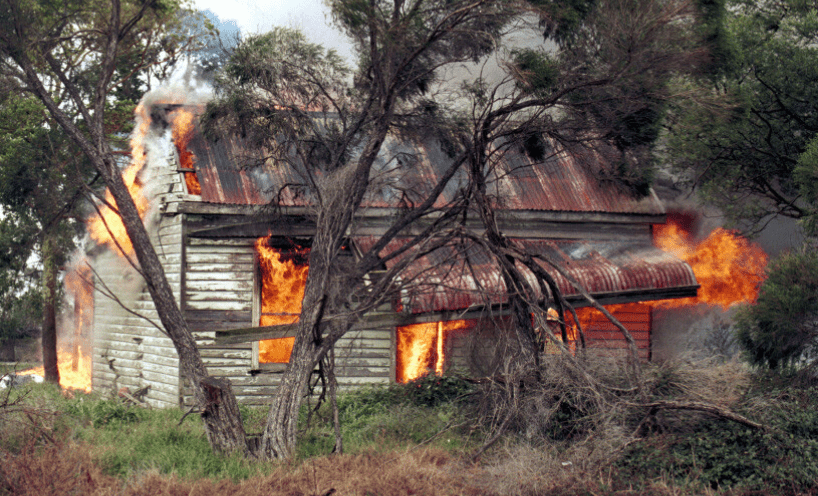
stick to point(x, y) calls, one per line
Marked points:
point(781, 329)
point(720, 454)
point(745, 145)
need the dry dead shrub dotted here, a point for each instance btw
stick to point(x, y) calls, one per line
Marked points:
point(53, 469)
point(565, 431)
point(711, 380)
point(421, 472)
point(69, 469)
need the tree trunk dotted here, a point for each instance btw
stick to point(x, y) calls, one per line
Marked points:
point(49, 335)
point(279, 439)
point(520, 293)
point(215, 400)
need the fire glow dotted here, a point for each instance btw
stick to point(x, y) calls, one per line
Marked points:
point(75, 370)
point(421, 348)
point(106, 228)
point(729, 268)
point(73, 364)
point(283, 279)
point(182, 133)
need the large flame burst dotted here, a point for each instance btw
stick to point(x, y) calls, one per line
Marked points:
point(106, 228)
point(729, 267)
point(73, 362)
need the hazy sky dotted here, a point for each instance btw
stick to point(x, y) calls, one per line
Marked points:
point(258, 16)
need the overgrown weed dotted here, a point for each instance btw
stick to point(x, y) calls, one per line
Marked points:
point(564, 434)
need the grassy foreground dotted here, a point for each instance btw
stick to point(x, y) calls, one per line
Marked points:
point(559, 436)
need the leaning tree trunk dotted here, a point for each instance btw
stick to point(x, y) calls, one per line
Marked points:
point(214, 397)
point(49, 334)
point(335, 217)
point(520, 293)
point(279, 439)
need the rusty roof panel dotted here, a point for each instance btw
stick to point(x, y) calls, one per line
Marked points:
point(460, 276)
point(405, 172)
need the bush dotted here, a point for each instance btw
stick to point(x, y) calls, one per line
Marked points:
point(781, 328)
point(385, 417)
point(102, 412)
point(433, 390)
point(717, 453)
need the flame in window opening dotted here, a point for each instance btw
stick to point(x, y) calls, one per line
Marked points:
point(729, 267)
point(283, 278)
point(182, 133)
point(421, 348)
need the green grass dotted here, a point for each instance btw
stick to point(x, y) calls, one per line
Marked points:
point(696, 455)
point(127, 440)
point(382, 418)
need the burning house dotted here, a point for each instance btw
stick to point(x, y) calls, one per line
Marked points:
point(237, 266)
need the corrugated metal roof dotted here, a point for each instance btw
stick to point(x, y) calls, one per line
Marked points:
point(463, 275)
point(406, 171)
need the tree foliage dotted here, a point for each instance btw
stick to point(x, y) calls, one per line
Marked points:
point(601, 92)
point(781, 329)
point(76, 57)
point(744, 150)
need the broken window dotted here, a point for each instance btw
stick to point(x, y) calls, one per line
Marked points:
point(283, 268)
point(423, 349)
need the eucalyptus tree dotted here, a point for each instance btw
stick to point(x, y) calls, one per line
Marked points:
point(599, 86)
point(744, 150)
point(77, 57)
point(329, 124)
point(598, 81)
point(42, 181)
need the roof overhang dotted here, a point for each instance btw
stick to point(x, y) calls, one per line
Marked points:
point(463, 278)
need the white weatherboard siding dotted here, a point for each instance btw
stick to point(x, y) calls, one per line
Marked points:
point(364, 357)
point(219, 287)
point(220, 292)
point(128, 351)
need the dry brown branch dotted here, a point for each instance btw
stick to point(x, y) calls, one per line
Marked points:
point(698, 406)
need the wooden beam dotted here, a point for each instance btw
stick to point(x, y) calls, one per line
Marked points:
point(260, 333)
point(393, 319)
point(380, 319)
point(389, 213)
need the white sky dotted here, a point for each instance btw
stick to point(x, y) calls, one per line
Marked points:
point(258, 16)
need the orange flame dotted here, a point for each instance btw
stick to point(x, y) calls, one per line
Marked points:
point(571, 333)
point(282, 288)
point(421, 348)
point(106, 226)
point(115, 229)
point(75, 370)
point(74, 365)
point(182, 133)
point(729, 268)
point(79, 283)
